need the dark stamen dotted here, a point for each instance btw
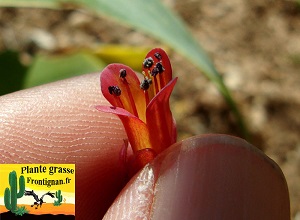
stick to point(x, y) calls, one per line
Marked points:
point(145, 84)
point(114, 90)
point(148, 62)
point(123, 73)
point(154, 71)
point(111, 90)
point(160, 67)
point(158, 56)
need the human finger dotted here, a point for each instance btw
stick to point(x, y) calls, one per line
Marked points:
point(206, 177)
point(58, 123)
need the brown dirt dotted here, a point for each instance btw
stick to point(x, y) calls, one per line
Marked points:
point(255, 44)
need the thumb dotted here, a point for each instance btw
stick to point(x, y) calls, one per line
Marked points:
point(206, 177)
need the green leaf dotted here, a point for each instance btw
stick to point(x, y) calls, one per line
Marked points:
point(47, 69)
point(31, 3)
point(12, 72)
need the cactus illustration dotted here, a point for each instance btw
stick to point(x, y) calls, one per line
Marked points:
point(21, 211)
point(59, 198)
point(11, 195)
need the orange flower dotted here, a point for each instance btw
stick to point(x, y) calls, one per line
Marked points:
point(143, 107)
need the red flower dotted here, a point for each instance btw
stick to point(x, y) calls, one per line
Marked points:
point(143, 107)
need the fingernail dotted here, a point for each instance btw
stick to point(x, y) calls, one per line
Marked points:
point(218, 177)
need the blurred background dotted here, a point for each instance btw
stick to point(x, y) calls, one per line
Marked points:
point(254, 46)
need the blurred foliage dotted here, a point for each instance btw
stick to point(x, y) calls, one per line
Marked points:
point(12, 72)
point(47, 69)
point(153, 18)
point(295, 59)
point(128, 55)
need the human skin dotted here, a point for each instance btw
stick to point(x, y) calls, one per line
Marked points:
point(58, 123)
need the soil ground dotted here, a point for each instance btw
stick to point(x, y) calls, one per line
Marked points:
point(255, 44)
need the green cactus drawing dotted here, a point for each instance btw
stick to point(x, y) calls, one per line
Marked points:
point(21, 211)
point(11, 195)
point(59, 198)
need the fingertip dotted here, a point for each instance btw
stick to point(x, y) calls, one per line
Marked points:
point(207, 177)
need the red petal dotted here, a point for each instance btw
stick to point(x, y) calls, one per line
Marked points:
point(165, 61)
point(141, 158)
point(158, 55)
point(132, 97)
point(136, 130)
point(161, 125)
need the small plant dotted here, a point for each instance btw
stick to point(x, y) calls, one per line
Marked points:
point(59, 198)
point(11, 195)
point(21, 211)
